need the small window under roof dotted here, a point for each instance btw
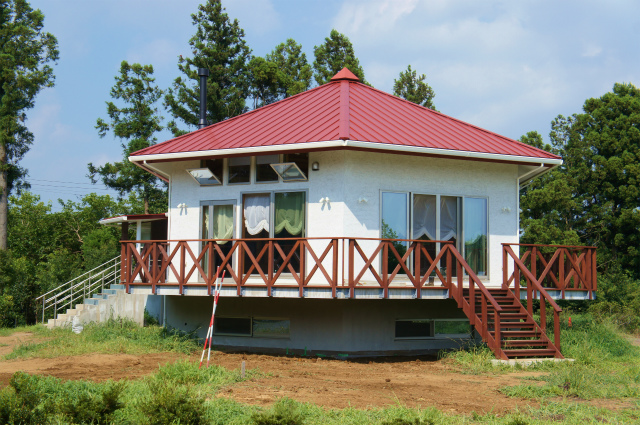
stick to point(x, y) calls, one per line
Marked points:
point(204, 176)
point(289, 171)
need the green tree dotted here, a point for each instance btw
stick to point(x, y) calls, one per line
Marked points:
point(218, 45)
point(413, 88)
point(294, 72)
point(334, 54)
point(135, 124)
point(25, 51)
point(595, 194)
point(264, 78)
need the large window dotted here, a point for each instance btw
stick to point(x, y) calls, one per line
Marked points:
point(217, 223)
point(287, 220)
point(461, 220)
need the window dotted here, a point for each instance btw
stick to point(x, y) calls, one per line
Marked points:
point(240, 170)
point(461, 220)
point(300, 159)
point(288, 220)
point(453, 327)
point(271, 328)
point(218, 222)
point(252, 327)
point(414, 329)
point(237, 326)
point(209, 173)
point(264, 172)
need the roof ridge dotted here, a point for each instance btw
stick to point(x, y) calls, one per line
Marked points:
point(452, 118)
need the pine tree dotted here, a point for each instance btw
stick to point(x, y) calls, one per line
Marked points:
point(264, 81)
point(134, 122)
point(25, 51)
point(413, 88)
point(218, 45)
point(334, 54)
point(294, 71)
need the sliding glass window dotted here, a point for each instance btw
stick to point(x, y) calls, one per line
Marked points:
point(395, 224)
point(475, 234)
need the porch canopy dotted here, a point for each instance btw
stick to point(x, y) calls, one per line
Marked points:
point(346, 114)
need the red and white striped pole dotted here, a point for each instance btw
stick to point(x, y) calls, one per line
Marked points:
point(213, 315)
point(210, 329)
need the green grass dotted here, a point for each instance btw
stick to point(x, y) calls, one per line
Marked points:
point(112, 337)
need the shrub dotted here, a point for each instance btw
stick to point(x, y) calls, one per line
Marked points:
point(173, 404)
point(283, 412)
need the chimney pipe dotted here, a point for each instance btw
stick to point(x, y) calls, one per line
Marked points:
point(203, 73)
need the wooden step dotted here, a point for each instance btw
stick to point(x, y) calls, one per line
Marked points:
point(527, 325)
point(524, 343)
point(519, 334)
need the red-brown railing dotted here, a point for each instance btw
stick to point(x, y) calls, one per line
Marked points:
point(558, 267)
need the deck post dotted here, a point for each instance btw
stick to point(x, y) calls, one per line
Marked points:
point(334, 275)
point(351, 267)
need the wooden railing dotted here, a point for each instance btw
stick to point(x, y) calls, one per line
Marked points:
point(558, 267)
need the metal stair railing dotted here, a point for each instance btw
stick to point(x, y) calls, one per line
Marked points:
point(79, 288)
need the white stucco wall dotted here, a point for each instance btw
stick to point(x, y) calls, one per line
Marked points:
point(347, 176)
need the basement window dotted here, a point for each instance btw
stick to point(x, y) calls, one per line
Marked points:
point(271, 328)
point(414, 329)
point(232, 326)
point(460, 328)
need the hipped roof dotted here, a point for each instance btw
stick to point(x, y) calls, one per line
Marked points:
point(345, 113)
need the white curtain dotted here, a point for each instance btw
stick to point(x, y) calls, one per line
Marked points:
point(424, 216)
point(448, 217)
point(256, 213)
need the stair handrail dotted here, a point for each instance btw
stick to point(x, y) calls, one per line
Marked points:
point(493, 341)
point(80, 287)
point(543, 293)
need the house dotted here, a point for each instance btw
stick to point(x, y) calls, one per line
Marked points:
point(347, 220)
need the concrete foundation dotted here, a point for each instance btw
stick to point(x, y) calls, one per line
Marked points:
point(321, 326)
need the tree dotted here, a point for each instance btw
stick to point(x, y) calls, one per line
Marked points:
point(135, 124)
point(294, 72)
point(264, 78)
point(25, 51)
point(413, 88)
point(334, 54)
point(595, 194)
point(218, 45)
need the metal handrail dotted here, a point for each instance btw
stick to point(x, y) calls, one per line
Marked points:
point(79, 288)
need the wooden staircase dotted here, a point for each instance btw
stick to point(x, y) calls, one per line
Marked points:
point(520, 336)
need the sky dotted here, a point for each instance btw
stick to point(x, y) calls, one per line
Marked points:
point(507, 66)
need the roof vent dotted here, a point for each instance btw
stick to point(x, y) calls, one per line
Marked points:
point(345, 74)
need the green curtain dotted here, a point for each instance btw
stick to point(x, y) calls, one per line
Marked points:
point(289, 213)
point(222, 222)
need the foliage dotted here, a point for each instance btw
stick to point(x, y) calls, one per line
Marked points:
point(168, 404)
point(135, 124)
point(218, 45)
point(264, 81)
point(294, 72)
point(413, 88)
point(283, 412)
point(334, 54)
point(25, 52)
point(594, 197)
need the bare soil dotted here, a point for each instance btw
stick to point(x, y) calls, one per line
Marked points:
point(413, 382)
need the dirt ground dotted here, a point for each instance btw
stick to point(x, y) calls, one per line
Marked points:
point(414, 382)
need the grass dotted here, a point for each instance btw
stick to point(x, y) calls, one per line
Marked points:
point(607, 366)
point(111, 337)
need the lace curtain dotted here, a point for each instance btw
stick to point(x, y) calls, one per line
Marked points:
point(256, 213)
point(424, 216)
point(448, 218)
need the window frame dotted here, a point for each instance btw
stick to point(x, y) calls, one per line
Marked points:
point(410, 338)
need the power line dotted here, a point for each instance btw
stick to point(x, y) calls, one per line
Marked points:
point(71, 187)
point(59, 181)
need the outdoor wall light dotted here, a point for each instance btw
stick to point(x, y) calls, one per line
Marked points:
point(315, 166)
point(506, 210)
point(362, 200)
point(182, 205)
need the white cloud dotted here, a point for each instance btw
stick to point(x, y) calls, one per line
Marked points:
point(255, 16)
point(160, 52)
point(373, 17)
point(591, 51)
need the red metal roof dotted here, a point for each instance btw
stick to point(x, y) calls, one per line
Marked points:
point(343, 109)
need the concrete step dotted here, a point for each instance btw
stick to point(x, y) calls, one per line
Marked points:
point(92, 301)
point(109, 291)
point(118, 286)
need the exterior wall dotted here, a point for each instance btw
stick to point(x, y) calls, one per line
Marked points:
point(365, 327)
point(346, 177)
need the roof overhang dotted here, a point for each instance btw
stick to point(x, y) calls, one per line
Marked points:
point(142, 218)
point(143, 160)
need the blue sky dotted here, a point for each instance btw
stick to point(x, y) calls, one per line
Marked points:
point(507, 66)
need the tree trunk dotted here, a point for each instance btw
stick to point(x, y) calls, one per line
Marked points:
point(4, 198)
point(146, 205)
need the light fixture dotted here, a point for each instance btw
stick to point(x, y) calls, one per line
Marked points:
point(182, 205)
point(315, 166)
point(506, 210)
point(362, 200)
